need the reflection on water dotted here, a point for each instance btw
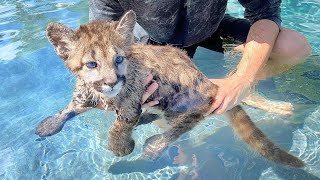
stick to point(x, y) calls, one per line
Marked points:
point(307, 142)
point(10, 51)
point(22, 23)
point(35, 84)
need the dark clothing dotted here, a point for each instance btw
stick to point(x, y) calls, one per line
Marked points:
point(234, 29)
point(182, 22)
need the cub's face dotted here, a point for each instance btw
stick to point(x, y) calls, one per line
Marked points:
point(96, 52)
point(104, 68)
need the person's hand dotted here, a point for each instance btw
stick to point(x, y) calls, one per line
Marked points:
point(150, 90)
point(231, 90)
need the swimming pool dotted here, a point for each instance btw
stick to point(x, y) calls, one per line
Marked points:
point(35, 84)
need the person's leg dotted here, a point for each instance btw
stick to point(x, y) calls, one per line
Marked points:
point(191, 50)
point(290, 48)
point(214, 43)
point(232, 29)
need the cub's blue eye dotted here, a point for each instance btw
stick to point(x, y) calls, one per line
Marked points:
point(119, 59)
point(91, 64)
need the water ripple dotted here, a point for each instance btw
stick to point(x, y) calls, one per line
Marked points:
point(10, 51)
point(30, 18)
point(7, 11)
point(6, 159)
point(8, 34)
point(306, 143)
point(33, 87)
point(269, 175)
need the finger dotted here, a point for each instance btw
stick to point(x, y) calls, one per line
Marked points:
point(233, 103)
point(217, 102)
point(216, 81)
point(150, 104)
point(220, 109)
point(148, 79)
point(150, 90)
point(224, 106)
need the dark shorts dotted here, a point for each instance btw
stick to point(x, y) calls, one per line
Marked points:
point(233, 29)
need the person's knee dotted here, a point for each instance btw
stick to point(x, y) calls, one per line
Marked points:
point(291, 46)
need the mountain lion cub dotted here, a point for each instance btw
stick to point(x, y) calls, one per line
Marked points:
point(111, 68)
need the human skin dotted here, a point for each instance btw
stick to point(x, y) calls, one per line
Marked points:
point(260, 41)
point(266, 52)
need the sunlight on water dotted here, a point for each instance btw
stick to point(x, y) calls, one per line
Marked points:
point(306, 143)
point(10, 51)
point(36, 84)
point(269, 175)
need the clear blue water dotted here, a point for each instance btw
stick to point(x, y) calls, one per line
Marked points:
point(34, 84)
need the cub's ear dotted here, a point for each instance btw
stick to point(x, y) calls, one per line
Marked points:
point(62, 38)
point(126, 25)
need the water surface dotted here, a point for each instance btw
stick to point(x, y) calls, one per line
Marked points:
point(35, 84)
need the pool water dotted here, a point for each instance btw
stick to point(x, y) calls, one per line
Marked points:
point(35, 84)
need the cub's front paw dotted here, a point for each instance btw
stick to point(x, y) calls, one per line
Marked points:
point(50, 126)
point(154, 146)
point(121, 144)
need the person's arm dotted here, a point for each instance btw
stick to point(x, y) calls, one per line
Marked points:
point(263, 33)
point(260, 41)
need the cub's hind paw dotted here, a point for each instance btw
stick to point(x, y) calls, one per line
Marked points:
point(154, 146)
point(50, 126)
point(121, 145)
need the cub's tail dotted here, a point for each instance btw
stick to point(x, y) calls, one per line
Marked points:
point(246, 129)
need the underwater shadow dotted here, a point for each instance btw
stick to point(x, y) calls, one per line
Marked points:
point(223, 156)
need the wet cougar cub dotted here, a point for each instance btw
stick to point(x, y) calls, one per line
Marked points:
point(111, 68)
